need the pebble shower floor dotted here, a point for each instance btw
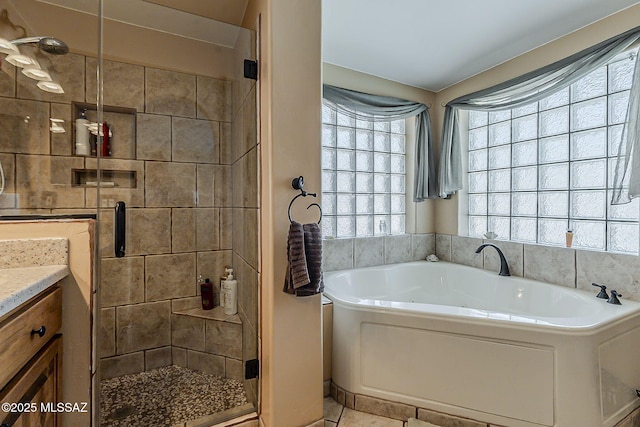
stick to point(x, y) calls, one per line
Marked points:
point(165, 397)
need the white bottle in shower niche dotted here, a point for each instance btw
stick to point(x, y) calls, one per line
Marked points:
point(82, 135)
point(230, 294)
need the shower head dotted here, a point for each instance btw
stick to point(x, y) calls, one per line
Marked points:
point(53, 46)
point(47, 44)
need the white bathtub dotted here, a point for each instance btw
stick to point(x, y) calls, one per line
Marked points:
point(467, 342)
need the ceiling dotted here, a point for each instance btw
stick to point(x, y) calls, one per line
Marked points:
point(202, 20)
point(433, 44)
point(229, 11)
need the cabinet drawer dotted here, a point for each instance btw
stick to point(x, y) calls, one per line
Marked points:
point(17, 342)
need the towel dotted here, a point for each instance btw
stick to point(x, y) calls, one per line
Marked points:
point(304, 260)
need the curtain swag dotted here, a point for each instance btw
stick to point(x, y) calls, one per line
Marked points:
point(374, 107)
point(532, 87)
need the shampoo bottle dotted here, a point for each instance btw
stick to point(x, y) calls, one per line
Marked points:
point(206, 292)
point(106, 140)
point(230, 294)
point(83, 148)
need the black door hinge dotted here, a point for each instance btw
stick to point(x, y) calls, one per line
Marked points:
point(251, 69)
point(251, 369)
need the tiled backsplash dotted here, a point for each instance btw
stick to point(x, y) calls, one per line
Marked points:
point(561, 266)
point(342, 254)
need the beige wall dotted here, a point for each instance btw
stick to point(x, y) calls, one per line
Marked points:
point(290, 100)
point(446, 211)
point(420, 216)
point(76, 304)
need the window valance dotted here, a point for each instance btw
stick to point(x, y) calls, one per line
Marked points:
point(361, 105)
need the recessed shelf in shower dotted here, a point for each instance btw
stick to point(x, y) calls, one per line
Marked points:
point(122, 126)
point(108, 178)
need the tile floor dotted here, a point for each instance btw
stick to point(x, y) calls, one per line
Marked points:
point(168, 396)
point(336, 415)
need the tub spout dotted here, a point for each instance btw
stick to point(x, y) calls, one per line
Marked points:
point(504, 267)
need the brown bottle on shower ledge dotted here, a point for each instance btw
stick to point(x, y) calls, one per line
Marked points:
point(206, 292)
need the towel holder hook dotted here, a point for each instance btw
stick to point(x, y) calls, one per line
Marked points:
point(297, 184)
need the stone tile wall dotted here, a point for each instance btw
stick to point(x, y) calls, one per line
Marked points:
point(343, 254)
point(560, 266)
point(182, 207)
point(208, 341)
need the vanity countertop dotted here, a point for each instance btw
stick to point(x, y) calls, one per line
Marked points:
point(18, 285)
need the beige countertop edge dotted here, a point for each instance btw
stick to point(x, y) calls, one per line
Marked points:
point(18, 285)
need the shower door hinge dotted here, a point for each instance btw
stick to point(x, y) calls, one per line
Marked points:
point(251, 369)
point(251, 69)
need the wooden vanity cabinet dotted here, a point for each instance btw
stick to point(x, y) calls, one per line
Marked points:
point(31, 361)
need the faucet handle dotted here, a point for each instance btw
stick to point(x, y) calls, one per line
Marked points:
point(614, 298)
point(603, 291)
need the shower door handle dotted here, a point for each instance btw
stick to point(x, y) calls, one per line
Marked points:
point(120, 225)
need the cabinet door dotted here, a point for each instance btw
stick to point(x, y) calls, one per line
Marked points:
point(38, 382)
point(19, 343)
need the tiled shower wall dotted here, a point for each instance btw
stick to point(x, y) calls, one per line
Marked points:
point(179, 226)
point(180, 206)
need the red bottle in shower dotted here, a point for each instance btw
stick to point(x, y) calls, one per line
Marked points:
point(106, 145)
point(206, 292)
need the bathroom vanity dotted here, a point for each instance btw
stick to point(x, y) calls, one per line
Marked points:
point(31, 351)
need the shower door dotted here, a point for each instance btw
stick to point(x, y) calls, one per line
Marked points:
point(177, 151)
point(45, 189)
point(149, 107)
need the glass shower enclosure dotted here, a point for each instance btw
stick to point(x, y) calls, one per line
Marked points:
point(148, 110)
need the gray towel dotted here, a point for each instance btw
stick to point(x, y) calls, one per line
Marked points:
point(304, 260)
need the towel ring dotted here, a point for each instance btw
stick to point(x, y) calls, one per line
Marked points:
point(305, 194)
point(319, 208)
point(297, 184)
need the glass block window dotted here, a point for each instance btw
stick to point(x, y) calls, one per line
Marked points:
point(363, 176)
point(537, 171)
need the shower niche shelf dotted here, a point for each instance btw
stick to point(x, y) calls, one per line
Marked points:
point(121, 122)
point(108, 178)
point(79, 106)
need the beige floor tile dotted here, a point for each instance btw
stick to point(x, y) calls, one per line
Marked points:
point(351, 418)
point(332, 409)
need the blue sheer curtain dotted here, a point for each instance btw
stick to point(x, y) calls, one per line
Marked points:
point(517, 92)
point(375, 107)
